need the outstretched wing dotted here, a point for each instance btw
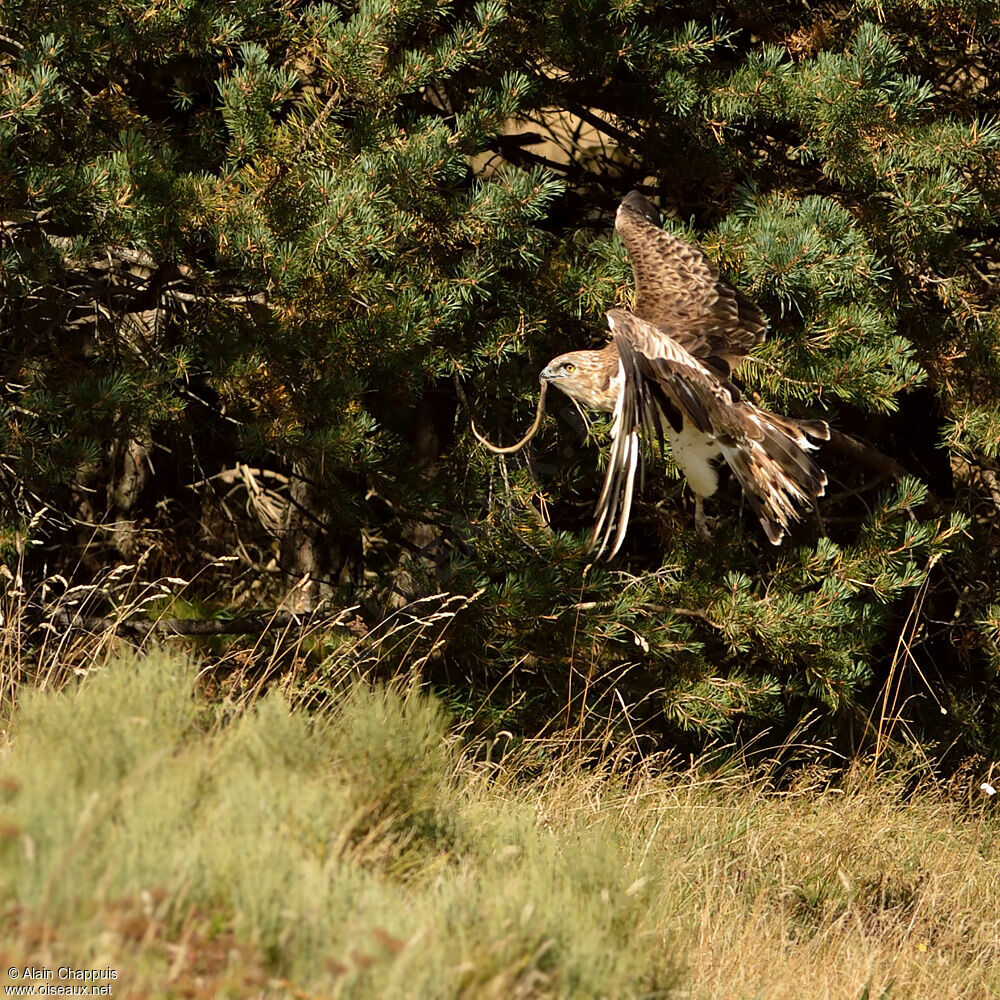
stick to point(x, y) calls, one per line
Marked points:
point(678, 289)
point(663, 383)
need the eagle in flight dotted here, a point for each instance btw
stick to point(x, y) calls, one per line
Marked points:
point(666, 374)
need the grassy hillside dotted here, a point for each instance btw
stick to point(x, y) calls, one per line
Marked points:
point(205, 850)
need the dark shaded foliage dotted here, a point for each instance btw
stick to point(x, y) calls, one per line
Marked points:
point(284, 236)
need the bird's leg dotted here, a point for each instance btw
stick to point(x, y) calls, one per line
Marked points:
point(700, 521)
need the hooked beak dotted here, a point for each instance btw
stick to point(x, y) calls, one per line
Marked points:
point(549, 373)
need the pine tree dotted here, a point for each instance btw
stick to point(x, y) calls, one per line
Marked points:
point(295, 238)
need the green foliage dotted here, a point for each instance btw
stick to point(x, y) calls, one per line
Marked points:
point(308, 839)
point(282, 853)
point(300, 236)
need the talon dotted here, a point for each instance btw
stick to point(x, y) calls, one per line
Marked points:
point(701, 522)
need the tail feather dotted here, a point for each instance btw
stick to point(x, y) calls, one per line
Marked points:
point(775, 469)
point(801, 430)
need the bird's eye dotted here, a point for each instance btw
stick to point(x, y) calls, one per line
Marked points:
point(569, 367)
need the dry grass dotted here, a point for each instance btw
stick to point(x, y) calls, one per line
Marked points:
point(818, 894)
point(361, 854)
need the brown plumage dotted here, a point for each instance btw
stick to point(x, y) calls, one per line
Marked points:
point(666, 374)
point(679, 290)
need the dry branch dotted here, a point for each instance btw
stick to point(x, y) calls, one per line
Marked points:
point(251, 624)
point(866, 455)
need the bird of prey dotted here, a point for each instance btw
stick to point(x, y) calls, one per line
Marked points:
point(666, 374)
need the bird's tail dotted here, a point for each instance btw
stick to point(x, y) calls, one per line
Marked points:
point(774, 467)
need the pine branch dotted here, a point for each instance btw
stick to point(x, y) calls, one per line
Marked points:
point(301, 145)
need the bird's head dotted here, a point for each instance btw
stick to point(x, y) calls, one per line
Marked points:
point(636, 205)
point(561, 369)
point(585, 376)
